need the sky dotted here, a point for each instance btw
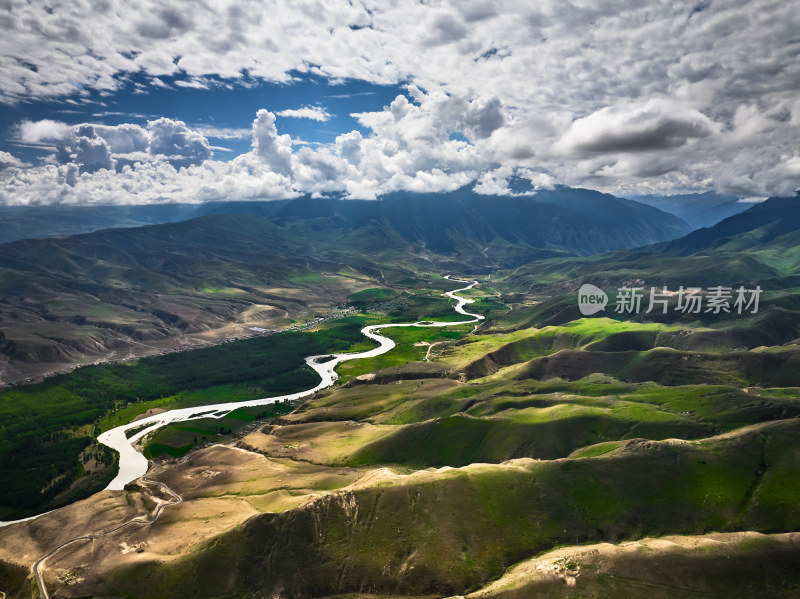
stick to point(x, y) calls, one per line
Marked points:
point(108, 102)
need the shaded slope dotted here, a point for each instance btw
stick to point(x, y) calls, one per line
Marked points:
point(444, 533)
point(760, 225)
point(65, 300)
point(705, 566)
point(24, 222)
point(697, 209)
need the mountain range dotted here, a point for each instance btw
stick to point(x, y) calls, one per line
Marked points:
point(22, 222)
point(474, 461)
point(756, 248)
point(121, 290)
point(698, 209)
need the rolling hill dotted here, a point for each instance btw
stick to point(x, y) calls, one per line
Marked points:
point(758, 245)
point(540, 452)
point(130, 291)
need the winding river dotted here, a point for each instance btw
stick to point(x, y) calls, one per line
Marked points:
point(132, 464)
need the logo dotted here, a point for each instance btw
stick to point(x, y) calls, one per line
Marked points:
point(688, 300)
point(591, 299)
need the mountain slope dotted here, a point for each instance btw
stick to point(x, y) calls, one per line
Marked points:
point(759, 247)
point(67, 299)
point(573, 220)
point(142, 290)
point(545, 437)
point(498, 230)
point(760, 244)
point(759, 227)
point(697, 209)
point(25, 222)
point(441, 533)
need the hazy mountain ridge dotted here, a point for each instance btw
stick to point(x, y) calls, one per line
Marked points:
point(27, 222)
point(417, 216)
point(464, 224)
point(66, 299)
point(698, 209)
point(758, 245)
point(758, 226)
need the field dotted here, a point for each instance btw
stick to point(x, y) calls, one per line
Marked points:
point(179, 439)
point(50, 427)
point(538, 454)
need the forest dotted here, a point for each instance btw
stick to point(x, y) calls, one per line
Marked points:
point(46, 427)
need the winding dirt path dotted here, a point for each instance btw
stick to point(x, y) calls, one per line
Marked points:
point(39, 566)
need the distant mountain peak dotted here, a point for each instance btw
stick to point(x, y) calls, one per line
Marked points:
point(698, 209)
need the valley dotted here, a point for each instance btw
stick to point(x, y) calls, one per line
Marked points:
point(122, 293)
point(535, 452)
point(308, 503)
point(399, 300)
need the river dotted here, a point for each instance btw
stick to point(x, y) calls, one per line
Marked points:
point(132, 464)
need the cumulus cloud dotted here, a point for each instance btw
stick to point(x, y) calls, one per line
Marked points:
point(178, 144)
point(275, 150)
point(655, 125)
point(349, 147)
point(409, 147)
point(8, 160)
point(125, 138)
point(143, 183)
point(92, 152)
point(497, 182)
point(91, 147)
point(494, 182)
point(624, 96)
point(315, 113)
point(43, 131)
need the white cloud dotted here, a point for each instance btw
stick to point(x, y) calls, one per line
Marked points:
point(92, 147)
point(315, 113)
point(273, 149)
point(409, 148)
point(92, 152)
point(621, 96)
point(143, 183)
point(46, 130)
point(494, 182)
point(180, 145)
point(8, 160)
point(632, 127)
point(125, 138)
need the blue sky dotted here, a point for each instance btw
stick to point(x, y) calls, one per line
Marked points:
point(118, 102)
point(223, 105)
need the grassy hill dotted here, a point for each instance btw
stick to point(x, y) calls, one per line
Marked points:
point(541, 452)
point(120, 293)
point(475, 467)
point(449, 532)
